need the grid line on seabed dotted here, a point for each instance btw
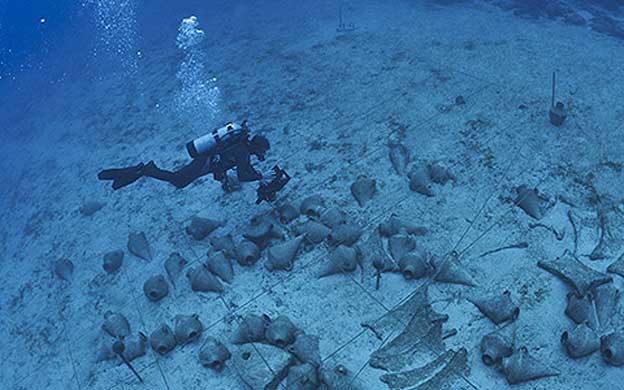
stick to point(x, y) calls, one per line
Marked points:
point(491, 138)
point(70, 354)
point(473, 221)
point(66, 339)
point(325, 103)
point(377, 218)
point(372, 221)
point(420, 124)
point(379, 148)
point(321, 182)
point(141, 269)
point(428, 282)
point(162, 373)
point(372, 111)
point(155, 363)
point(286, 279)
point(311, 262)
point(257, 296)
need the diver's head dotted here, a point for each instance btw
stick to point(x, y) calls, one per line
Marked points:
point(259, 146)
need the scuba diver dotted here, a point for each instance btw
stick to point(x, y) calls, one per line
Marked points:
point(217, 152)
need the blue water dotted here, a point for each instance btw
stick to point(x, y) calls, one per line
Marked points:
point(425, 128)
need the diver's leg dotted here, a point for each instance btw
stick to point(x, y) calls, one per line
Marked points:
point(151, 170)
point(180, 178)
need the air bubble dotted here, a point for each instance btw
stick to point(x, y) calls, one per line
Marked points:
point(199, 96)
point(117, 31)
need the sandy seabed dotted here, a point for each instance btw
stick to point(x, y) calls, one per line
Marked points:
point(330, 104)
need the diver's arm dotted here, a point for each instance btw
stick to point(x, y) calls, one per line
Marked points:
point(246, 172)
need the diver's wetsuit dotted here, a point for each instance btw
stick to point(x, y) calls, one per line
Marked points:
point(184, 176)
point(234, 155)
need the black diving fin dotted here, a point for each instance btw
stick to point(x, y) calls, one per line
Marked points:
point(122, 177)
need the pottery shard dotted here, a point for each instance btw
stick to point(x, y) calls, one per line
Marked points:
point(261, 366)
point(112, 261)
point(580, 341)
point(617, 267)
point(363, 189)
point(498, 308)
point(441, 373)
point(213, 354)
point(573, 272)
point(394, 225)
point(224, 244)
point(531, 202)
point(333, 217)
point(306, 349)
point(156, 288)
point(116, 325)
point(91, 207)
point(138, 246)
point(200, 228)
point(282, 256)
point(345, 234)
point(314, 232)
point(392, 322)
point(439, 174)
point(174, 265)
point(399, 157)
point(312, 206)
point(451, 270)
point(419, 181)
point(522, 367)
point(421, 331)
point(203, 281)
point(303, 377)
point(135, 346)
point(607, 302)
point(260, 232)
point(287, 213)
point(64, 269)
point(220, 266)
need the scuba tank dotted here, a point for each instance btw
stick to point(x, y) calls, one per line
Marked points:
point(211, 142)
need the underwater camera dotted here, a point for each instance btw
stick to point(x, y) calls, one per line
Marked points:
point(268, 189)
point(207, 143)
